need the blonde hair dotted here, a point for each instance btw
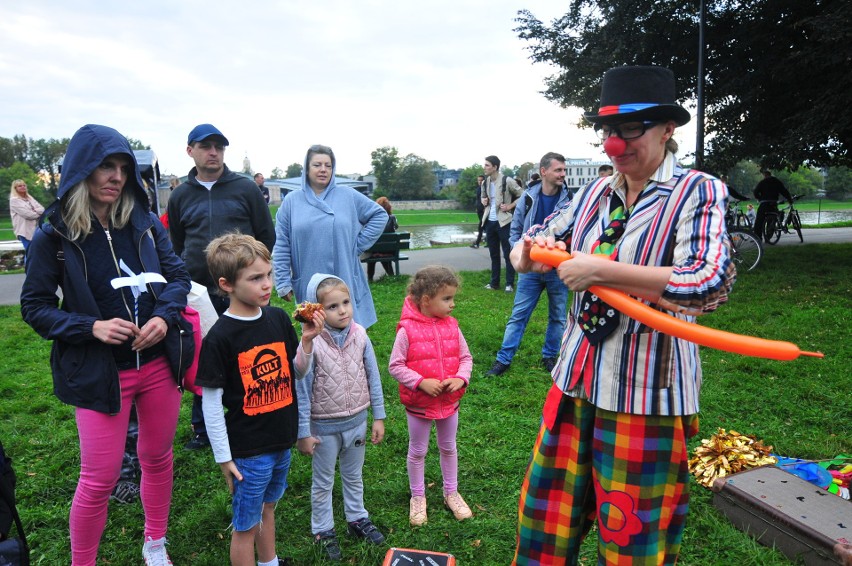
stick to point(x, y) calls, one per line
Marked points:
point(77, 210)
point(429, 280)
point(231, 252)
point(13, 192)
point(330, 283)
point(671, 145)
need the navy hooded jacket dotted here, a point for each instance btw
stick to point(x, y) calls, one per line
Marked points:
point(84, 370)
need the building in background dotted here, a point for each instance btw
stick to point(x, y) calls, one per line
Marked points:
point(580, 172)
point(446, 178)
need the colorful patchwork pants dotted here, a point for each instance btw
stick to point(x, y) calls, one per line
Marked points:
point(627, 471)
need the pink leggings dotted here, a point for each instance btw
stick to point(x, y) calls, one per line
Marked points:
point(419, 430)
point(102, 440)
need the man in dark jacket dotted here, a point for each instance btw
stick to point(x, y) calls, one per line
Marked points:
point(258, 180)
point(767, 192)
point(211, 202)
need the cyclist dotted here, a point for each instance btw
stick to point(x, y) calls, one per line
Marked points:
point(767, 192)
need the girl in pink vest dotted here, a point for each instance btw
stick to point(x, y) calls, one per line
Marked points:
point(432, 363)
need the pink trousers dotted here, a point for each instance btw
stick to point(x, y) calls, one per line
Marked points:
point(102, 441)
point(419, 430)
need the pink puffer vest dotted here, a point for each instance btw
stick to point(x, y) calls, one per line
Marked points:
point(433, 352)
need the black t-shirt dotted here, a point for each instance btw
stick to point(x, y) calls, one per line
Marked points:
point(252, 361)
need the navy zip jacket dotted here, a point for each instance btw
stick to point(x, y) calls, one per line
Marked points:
point(197, 216)
point(84, 370)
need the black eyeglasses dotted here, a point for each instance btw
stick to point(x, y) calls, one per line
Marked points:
point(628, 131)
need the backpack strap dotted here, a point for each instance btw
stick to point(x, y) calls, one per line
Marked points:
point(8, 496)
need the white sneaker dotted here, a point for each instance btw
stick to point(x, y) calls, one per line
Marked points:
point(154, 553)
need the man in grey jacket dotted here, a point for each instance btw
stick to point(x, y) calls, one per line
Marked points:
point(537, 203)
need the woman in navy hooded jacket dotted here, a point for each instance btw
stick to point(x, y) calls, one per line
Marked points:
point(107, 354)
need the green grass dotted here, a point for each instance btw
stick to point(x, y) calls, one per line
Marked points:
point(803, 408)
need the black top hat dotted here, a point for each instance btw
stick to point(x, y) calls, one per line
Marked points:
point(638, 93)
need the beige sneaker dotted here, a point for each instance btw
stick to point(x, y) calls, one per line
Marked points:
point(457, 505)
point(417, 511)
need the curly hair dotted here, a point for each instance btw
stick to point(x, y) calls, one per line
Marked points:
point(429, 280)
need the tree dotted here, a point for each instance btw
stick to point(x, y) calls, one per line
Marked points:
point(386, 162)
point(526, 169)
point(45, 156)
point(803, 181)
point(838, 182)
point(19, 170)
point(766, 92)
point(136, 144)
point(465, 189)
point(415, 179)
point(294, 170)
point(744, 177)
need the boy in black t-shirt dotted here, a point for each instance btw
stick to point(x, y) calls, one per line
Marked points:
point(247, 365)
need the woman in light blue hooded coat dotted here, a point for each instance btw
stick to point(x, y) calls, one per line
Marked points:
point(324, 228)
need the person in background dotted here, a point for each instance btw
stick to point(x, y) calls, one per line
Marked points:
point(25, 211)
point(499, 196)
point(258, 179)
point(391, 226)
point(324, 228)
point(767, 192)
point(212, 201)
point(333, 401)
point(537, 203)
point(605, 170)
point(618, 383)
point(480, 210)
point(108, 351)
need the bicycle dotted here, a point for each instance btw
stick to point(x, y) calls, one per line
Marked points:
point(735, 217)
point(780, 220)
point(746, 249)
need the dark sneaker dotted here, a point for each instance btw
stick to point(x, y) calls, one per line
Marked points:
point(499, 368)
point(197, 442)
point(474, 246)
point(549, 364)
point(365, 529)
point(125, 492)
point(328, 541)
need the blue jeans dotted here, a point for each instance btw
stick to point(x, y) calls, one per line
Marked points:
point(530, 286)
point(498, 239)
point(264, 481)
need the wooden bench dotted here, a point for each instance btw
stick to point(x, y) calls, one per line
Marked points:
point(389, 245)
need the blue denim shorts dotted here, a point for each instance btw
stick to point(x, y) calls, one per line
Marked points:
point(264, 481)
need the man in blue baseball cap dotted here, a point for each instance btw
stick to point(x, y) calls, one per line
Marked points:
point(213, 200)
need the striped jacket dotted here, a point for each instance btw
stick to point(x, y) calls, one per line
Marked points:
point(680, 221)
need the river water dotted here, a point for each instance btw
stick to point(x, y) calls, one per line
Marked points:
point(423, 236)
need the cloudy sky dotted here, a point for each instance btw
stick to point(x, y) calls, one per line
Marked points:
point(445, 79)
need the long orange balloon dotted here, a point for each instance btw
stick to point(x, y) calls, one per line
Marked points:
point(667, 324)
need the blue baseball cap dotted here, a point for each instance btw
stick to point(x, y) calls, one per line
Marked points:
point(203, 131)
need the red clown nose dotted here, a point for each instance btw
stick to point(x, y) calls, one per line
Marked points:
point(614, 146)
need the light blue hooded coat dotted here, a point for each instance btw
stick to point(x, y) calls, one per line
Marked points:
point(326, 233)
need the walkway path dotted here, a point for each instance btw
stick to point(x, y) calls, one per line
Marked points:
point(466, 259)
